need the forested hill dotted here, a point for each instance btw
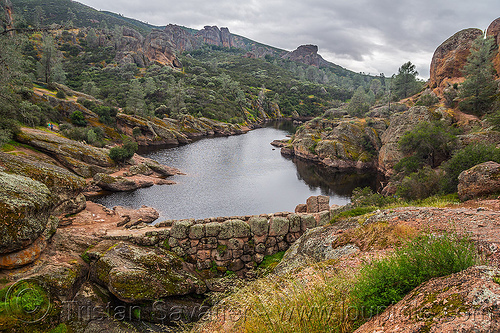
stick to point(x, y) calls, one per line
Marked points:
point(124, 65)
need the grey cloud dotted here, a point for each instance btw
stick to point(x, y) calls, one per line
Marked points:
point(385, 33)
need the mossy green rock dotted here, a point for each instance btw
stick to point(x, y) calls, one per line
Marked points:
point(234, 229)
point(258, 225)
point(136, 274)
point(65, 185)
point(180, 229)
point(115, 184)
point(279, 226)
point(81, 158)
point(25, 206)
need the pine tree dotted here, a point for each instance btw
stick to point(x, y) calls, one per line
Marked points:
point(359, 104)
point(479, 88)
point(405, 82)
point(50, 65)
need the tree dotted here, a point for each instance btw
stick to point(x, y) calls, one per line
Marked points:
point(479, 88)
point(92, 39)
point(135, 99)
point(359, 104)
point(428, 143)
point(50, 66)
point(405, 82)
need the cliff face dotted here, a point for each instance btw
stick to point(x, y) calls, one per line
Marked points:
point(161, 46)
point(307, 54)
point(494, 30)
point(450, 57)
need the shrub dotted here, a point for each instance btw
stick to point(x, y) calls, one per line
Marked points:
point(419, 185)
point(60, 94)
point(78, 119)
point(124, 153)
point(465, 159)
point(427, 99)
point(386, 281)
point(366, 197)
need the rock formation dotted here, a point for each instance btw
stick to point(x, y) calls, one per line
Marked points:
point(466, 302)
point(307, 54)
point(494, 30)
point(450, 57)
point(480, 180)
point(343, 143)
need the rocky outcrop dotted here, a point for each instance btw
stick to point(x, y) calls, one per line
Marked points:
point(172, 132)
point(135, 274)
point(159, 49)
point(314, 246)
point(400, 123)
point(307, 54)
point(82, 159)
point(118, 183)
point(480, 180)
point(343, 144)
point(494, 31)
point(25, 207)
point(450, 57)
point(214, 36)
point(63, 184)
point(462, 302)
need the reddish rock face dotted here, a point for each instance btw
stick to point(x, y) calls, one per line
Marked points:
point(494, 30)
point(450, 57)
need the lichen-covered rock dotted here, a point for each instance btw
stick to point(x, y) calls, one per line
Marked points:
point(82, 159)
point(315, 245)
point(234, 228)
point(480, 180)
point(259, 226)
point(340, 143)
point(462, 302)
point(390, 154)
point(494, 31)
point(65, 185)
point(279, 226)
point(450, 57)
point(180, 229)
point(119, 184)
point(135, 274)
point(25, 207)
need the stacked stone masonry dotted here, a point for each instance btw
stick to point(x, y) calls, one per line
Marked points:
point(239, 243)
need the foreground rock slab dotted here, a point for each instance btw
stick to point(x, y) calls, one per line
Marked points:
point(463, 302)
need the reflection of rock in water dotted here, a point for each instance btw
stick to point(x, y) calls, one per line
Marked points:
point(331, 182)
point(283, 125)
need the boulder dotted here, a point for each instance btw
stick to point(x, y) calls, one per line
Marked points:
point(450, 57)
point(133, 216)
point(234, 229)
point(65, 185)
point(137, 274)
point(315, 245)
point(316, 204)
point(120, 184)
point(480, 180)
point(494, 31)
point(25, 207)
point(462, 302)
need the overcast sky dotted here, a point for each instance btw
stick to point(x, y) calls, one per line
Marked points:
point(371, 36)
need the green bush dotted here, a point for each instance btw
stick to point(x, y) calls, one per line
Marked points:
point(78, 119)
point(366, 197)
point(465, 159)
point(427, 100)
point(386, 281)
point(61, 94)
point(124, 153)
point(420, 185)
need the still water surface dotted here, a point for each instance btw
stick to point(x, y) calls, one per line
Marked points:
point(237, 175)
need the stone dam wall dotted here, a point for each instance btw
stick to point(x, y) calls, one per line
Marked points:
point(237, 243)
